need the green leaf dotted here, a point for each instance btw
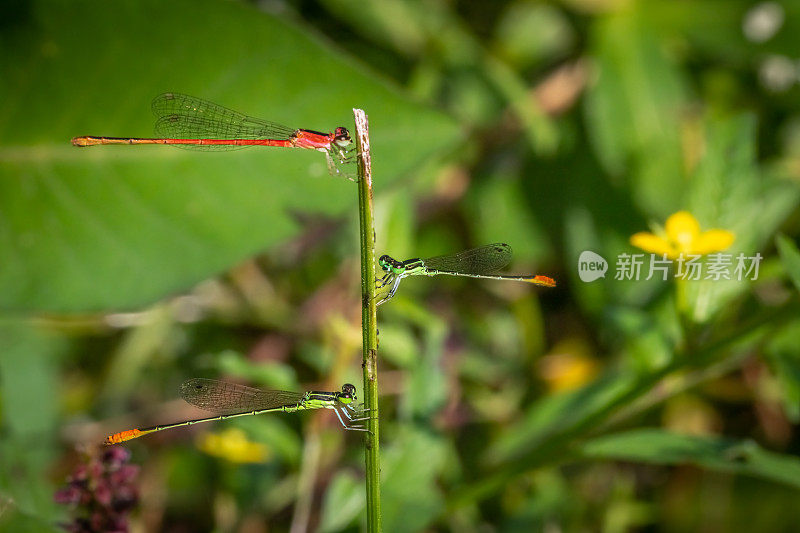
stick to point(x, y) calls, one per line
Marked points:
point(790, 257)
point(120, 227)
point(632, 110)
point(643, 335)
point(344, 500)
point(29, 401)
point(660, 447)
point(718, 34)
point(728, 190)
point(528, 32)
point(275, 433)
point(410, 498)
point(409, 469)
point(518, 226)
point(398, 346)
point(550, 423)
point(784, 358)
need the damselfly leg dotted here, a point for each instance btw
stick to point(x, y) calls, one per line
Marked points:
point(350, 427)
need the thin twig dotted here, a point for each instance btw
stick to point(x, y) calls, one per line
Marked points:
point(369, 324)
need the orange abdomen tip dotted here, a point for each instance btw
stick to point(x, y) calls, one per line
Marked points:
point(122, 436)
point(543, 281)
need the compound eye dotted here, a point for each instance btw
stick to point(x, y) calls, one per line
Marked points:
point(342, 135)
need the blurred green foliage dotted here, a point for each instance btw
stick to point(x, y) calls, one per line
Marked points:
point(556, 126)
point(104, 218)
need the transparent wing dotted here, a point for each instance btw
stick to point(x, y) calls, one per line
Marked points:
point(222, 397)
point(483, 260)
point(185, 117)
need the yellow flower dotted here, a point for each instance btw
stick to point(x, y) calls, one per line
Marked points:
point(232, 444)
point(568, 366)
point(682, 235)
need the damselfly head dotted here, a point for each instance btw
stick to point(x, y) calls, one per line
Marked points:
point(348, 393)
point(341, 137)
point(390, 264)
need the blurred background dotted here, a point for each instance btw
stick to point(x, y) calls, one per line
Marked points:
point(555, 126)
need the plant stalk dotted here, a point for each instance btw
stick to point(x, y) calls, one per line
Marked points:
point(369, 323)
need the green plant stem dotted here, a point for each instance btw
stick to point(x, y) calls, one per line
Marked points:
point(369, 322)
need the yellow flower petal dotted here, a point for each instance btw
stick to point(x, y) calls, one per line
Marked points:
point(713, 240)
point(682, 236)
point(232, 445)
point(682, 229)
point(567, 371)
point(652, 243)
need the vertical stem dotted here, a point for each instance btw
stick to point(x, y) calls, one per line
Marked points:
point(369, 323)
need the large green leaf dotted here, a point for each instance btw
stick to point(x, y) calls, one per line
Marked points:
point(411, 499)
point(632, 109)
point(28, 419)
point(550, 423)
point(119, 227)
point(790, 257)
point(660, 447)
point(784, 357)
point(344, 500)
point(729, 190)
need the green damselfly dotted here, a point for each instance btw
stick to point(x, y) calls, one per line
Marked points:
point(474, 263)
point(231, 400)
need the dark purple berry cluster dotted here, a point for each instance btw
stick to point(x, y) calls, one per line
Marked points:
point(102, 491)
